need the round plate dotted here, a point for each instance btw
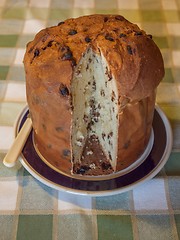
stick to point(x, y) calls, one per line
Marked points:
point(153, 163)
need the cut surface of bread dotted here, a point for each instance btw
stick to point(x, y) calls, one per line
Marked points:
point(95, 113)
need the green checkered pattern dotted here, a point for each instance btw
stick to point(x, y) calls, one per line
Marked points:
point(29, 210)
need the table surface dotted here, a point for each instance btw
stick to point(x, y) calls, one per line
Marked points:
point(30, 210)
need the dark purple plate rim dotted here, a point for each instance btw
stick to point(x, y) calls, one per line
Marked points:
point(148, 169)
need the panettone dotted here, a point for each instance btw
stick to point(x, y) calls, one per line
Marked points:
point(91, 85)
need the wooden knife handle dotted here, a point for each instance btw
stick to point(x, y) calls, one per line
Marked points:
point(18, 144)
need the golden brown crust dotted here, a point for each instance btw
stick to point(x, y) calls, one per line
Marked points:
point(133, 57)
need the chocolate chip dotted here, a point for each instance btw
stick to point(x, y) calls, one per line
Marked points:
point(87, 39)
point(109, 76)
point(36, 52)
point(87, 67)
point(60, 23)
point(63, 90)
point(95, 116)
point(109, 38)
point(94, 85)
point(50, 44)
point(99, 106)
point(113, 96)
point(110, 135)
point(129, 49)
point(82, 170)
point(72, 32)
point(66, 152)
point(105, 19)
point(92, 103)
point(67, 56)
point(85, 118)
point(105, 165)
point(102, 93)
point(73, 62)
point(150, 36)
point(109, 155)
point(103, 136)
point(122, 35)
point(95, 119)
point(119, 18)
point(138, 33)
point(59, 129)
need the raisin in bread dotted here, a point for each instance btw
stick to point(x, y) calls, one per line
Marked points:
point(91, 87)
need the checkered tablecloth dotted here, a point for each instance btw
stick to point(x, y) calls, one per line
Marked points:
point(30, 210)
